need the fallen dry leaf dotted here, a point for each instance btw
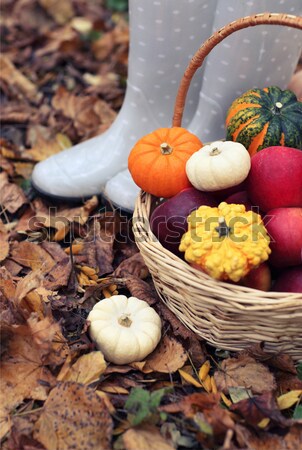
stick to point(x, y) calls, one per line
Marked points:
point(139, 288)
point(4, 244)
point(257, 408)
point(287, 382)
point(16, 112)
point(135, 265)
point(246, 372)
point(24, 169)
point(59, 276)
point(279, 361)
point(145, 437)
point(189, 339)
point(5, 164)
point(74, 416)
point(15, 79)
point(45, 143)
point(23, 375)
point(269, 441)
point(61, 11)
point(63, 39)
point(87, 112)
point(61, 217)
point(104, 46)
point(190, 404)
point(11, 195)
point(289, 399)
point(219, 419)
point(27, 284)
point(98, 248)
point(168, 357)
point(32, 255)
point(43, 332)
point(86, 370)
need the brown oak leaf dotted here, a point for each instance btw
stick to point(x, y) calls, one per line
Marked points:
point(135, 265)
point(32, 255)
point(4, 244)
point(246, 372)
point(259, 407)
point(145, 437)
point(74, 416)
point(11, 75)
point(98, 245)
point(269, 441)
point(11, 195)
point(168, 357)
point(279, 361)
point(23, 374)
point(86, 370)
point(190, 404)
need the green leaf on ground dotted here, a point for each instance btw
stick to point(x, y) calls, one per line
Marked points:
point(142, 405)
point(117, 5)
point(298, 412)
point(299, 371)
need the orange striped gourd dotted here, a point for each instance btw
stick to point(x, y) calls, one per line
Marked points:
point(266, 117)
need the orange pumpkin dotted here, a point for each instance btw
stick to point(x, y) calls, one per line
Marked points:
point(157, 162)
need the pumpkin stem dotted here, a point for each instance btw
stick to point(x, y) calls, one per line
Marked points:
point(125, 320)
point(278, 106)
point(166, 149)
point(215, 151)
point(222, 229)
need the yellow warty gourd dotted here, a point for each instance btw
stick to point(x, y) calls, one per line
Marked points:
point(226, 242)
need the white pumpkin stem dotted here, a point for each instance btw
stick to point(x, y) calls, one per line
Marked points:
point(215, 151)
point(125, 320)
point(166, 149)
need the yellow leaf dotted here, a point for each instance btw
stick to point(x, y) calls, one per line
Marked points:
point(189, 379)
point(111, 389)
point(204, 370)
point(87, 369)
point(207, 384)
point(264, 422)
point(213, 385)
point(107, 401)
point(225, 400)
point(287, 400)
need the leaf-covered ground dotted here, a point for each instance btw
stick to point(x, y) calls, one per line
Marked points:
point(62, 80)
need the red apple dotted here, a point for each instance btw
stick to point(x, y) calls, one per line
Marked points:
point(169, 220)
point(259, 278)
point(275, 178)
point(284, 226)
point(289, 281)
point(240, 198)
point(224, 193)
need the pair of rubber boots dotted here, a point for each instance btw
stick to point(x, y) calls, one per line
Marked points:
point(164, 35)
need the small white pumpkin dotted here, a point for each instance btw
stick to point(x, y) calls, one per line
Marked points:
point(219, 165)
point(124, 329)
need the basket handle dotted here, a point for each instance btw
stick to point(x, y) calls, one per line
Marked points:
point(212, 41)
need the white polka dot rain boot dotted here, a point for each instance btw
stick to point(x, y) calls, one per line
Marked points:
point(164, 34)
point(260, 56)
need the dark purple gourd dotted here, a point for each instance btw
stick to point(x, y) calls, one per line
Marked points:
point(169, 220)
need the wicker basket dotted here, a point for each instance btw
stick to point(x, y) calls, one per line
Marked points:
point(227, 316)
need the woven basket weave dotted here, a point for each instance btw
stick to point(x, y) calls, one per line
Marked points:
point(227, 316)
